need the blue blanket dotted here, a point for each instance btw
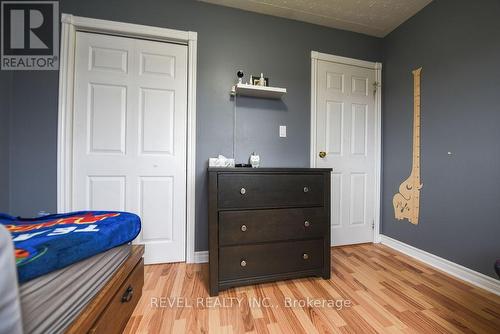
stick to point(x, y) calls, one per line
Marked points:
point(52, 242)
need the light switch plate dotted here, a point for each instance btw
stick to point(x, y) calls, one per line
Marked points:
point(283, 131)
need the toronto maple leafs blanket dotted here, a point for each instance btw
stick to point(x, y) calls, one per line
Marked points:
point(52, 242)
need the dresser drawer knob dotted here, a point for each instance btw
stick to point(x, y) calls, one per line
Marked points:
point(243, 191)
point(307, 223)
point(243, 263)
point(305, 256)
point(306, 189)
point(243, 228)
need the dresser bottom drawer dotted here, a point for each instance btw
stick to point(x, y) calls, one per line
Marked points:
point(247, 261)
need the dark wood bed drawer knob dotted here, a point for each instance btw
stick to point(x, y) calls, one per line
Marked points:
point(243, 228)
point(306, 189)
point(243, 263)
point(307, 223)
point(243, 191)
point(128, 294)
point(305, 256)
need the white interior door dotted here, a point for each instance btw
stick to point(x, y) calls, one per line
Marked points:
point(129, 136)
point(345, 132)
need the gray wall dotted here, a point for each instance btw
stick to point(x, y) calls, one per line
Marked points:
point(228, 40)
point(5, 101)
point(458, 45)
point(33, 143)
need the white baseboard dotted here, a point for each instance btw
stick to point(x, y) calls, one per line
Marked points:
point(452, 268)
point(201, 257)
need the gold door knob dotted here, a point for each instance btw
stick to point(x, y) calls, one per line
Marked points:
point(243, 228)
point(307, 223)
point(305, 256)
point(322, 154)
point(243, 263)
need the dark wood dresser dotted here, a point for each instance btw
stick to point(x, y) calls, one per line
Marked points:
point(267, 224)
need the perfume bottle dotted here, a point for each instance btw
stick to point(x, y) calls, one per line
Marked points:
point(262, 80)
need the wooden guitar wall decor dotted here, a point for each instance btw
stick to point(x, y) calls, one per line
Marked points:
point(407, 201)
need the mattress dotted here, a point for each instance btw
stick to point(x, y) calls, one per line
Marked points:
point(52, 242)
point(51, 302)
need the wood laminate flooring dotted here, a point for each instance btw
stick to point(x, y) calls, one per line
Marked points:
point(373, 289)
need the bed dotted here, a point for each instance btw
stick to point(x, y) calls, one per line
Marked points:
point(78, 272)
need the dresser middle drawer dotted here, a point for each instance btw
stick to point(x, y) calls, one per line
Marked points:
point(251, 226)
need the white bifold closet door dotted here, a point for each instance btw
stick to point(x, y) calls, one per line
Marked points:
point(129, 136)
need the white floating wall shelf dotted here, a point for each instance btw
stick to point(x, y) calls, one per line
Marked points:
point(258, 91)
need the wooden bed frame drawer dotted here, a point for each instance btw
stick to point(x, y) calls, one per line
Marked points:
point(88, 321)
point(120, 308)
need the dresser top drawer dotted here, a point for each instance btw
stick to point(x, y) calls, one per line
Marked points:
point(273, 190)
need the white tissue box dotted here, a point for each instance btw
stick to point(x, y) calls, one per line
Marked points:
point(221, 161)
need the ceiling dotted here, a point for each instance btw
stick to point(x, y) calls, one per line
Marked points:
point(371, 17)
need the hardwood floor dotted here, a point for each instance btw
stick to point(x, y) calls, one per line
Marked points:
point(373, 289)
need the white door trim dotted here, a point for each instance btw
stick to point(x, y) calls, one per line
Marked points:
point(315, 56)
point(70, 25)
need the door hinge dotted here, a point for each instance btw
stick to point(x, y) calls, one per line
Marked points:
point(373, 224)
point(376, 85)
